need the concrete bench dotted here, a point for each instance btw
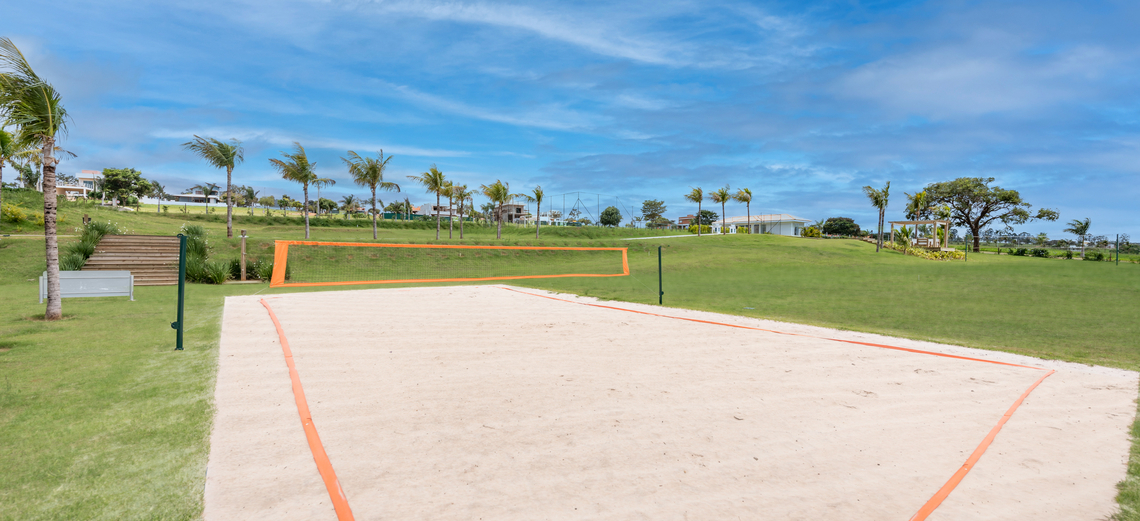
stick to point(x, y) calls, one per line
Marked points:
point(91, 284)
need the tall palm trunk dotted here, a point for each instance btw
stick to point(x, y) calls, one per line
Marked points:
point(538, 219)
point(54, 309)
point(1, 183)
point(461, 219)
point(698, 218)
point(306, 210)
point(373, 213)
point(450, 221)
point(748, 210)
point(438, 217)
point(229, 203)
point(499, 218)
point(723, 218)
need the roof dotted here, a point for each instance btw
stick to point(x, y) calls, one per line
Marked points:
point(766, 218)
point(936, 221)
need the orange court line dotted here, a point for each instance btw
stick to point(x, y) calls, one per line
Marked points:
point(952, 483)
point(324, 466)
point(281, 251)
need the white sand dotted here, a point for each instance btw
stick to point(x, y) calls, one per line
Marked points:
point(482, 403)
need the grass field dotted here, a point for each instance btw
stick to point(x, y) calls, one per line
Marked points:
point(100, 419)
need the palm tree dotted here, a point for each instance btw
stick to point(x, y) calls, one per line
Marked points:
point(349, 204)
point(461, 194)
point(1081, 230)
point(448, 188)
point(7, 151)
point(744, 195)
point(433, 181)
point(321, 182)
point(298, 169)
point(367, 171)
point(535, 196)
point(696, 196)
point(283, 203)
point(220, 154)
point(499, 193)
point(36, 109)
point(159, 192)
point(721, 195)
point(879, 199)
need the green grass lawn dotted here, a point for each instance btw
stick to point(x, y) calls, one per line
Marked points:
point(100, 419)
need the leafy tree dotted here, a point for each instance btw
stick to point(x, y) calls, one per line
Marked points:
point(1080, 228)
point(610, 217)
point(840, 226)
point(652, 209)
point(123, 183)
point(463, 195)
point(7, 151)
point(722, 196)
point(220, 154)
point(536, 197)
point(322, 182)
point(696, 196)
point(268, 202)
point(36, 109)
point(368, 171)
point(159, 192)
point(297, 168)
point(499, 193)
point(919, 206)
point(879, 199)
point(326, 205)
point(744, 195)
point(706, 217)
point(974, 204)
point(434, 182)
point(349, 204)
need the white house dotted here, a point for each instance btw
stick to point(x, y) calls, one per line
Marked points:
point(775, 223)
point(196, 196)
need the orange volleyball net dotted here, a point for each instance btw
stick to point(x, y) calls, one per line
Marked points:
point(315, 263)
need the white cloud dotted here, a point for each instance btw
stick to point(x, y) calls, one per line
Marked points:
point(274, 137)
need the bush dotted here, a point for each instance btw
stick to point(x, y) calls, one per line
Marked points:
point(1020, 252)
point(840, 226)
point(72, 261)
point(1098, 256)
point(1039, 252)
point(810, 231)
point(13, 214)
point(217, 272)
point(704, 228)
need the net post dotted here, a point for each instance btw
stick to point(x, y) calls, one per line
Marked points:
point(243, 236)
point(660, 289)
point(179, 326)
point(1118, 249)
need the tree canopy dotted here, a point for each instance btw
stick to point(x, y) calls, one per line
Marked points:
point(841, 226)
point(610, 217)
point(973, 203)
point(652, 209)
point(707, 217)
point(121, 183)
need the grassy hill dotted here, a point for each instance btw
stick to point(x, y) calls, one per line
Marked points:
point(100, 419)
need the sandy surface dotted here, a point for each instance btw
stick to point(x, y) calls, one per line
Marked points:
point(482, 403)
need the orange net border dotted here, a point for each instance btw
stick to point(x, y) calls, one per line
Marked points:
point(281, 255)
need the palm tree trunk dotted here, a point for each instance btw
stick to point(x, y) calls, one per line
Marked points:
point(54, 309)
point(538, 218)
point(499, 218)
point(450, 221)
point(437, 216)
point(229, 202)
point(2, 182)
point(306, 209)
point(461, 220)
point(373, 213)
point(748, 210)
point(723, 230)
point(698, 218)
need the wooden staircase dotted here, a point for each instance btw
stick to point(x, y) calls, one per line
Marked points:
point(152, 259)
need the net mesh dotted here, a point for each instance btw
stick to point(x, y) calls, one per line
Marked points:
point(304, 263)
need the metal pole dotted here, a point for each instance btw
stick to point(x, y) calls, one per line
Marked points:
point(243, 255)
point(660, 290)
point(1118, 249)
point(178, 326)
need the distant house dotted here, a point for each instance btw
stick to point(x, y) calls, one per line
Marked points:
point(196, 197)
point(431, 210)
point(84, 185)
point(512, 213)
point(775, 223)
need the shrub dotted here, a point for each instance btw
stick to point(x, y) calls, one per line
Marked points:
point(840, 226)
point(704, 228)
point(195, 268)
point(1098, 256)
point(72, 261)
point(1020, 252)
point(217, 272)
point(1039, 252)
point(810, 231)
point(13, 214)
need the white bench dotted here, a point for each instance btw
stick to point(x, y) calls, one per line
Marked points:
point(91, 284)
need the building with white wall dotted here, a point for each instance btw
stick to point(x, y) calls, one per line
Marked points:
point(774, 223)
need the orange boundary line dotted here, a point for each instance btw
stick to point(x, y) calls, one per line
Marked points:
point(281, 251)
point(944, 492)
point(324, 466)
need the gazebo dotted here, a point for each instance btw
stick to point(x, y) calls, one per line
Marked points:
point(930, 243)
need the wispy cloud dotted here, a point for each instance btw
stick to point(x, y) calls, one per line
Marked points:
point(274, 137)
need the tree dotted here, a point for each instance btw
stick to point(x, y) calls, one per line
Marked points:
point(368, 171)
point(610, 217)
point(268, 202)
point(919, 206)
point(721, 195)
point(461, 194)
point(220, 154)
point(447, 192)
point(433, 181)
point(974, 203)
point(536, 196)
point(7, 150)
point(744, 195)
point(159, 192)
point(840, 226)
point(124, 182)
point(298, 169)
point(499, 193)
point(1081, 230)
point(706, 217)
point(652, 209)
point(36, 110)
point(349, 204)
point(696, 196)
point(879, 199)
point(322, 182)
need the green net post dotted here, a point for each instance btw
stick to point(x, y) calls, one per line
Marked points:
point(1118, 249)
point(179, 325)
point(660, 290)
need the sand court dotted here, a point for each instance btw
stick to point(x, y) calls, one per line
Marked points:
point(482, 402)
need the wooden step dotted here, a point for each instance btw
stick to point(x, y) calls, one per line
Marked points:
point(152, 259)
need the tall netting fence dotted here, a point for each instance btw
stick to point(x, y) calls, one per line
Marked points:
point(308, 263)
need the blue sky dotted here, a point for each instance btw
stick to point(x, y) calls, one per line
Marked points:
point(804, 103)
